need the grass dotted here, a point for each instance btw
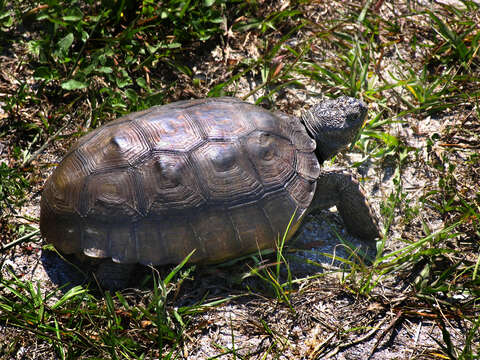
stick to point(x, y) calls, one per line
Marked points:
point(69, 67)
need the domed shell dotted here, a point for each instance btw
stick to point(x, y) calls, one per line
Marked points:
point(220, 176)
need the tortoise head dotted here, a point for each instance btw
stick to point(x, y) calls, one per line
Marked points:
point(334, 124)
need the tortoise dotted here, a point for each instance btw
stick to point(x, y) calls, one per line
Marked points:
point(218, 175)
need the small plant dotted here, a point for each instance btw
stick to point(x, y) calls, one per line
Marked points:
point(459, 45)
point(78, 323)
point(6, 16)
point(273, 279)
point(12, 187)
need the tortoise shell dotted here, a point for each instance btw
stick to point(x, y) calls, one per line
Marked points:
point(220, 176)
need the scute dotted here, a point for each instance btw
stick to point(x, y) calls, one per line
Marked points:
point(223, 121)
point(252, 227)
point(114, 147)
point(112, 195)
point(301, 191)
point(171, 240)
point(172, 131)
point(280, 209)
point(224, 172)
point(217, 175)
point(214, 231)
point(96, 240)
point(272, 156)
point(307, 165)
point(65, 231)
point(122, 242)
point(291, 128)
point(169, 183)
point(64, 187)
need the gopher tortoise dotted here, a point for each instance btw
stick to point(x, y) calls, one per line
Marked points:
point(218, 175)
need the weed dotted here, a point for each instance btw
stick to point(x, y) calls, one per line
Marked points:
point(273, 279)
point(12, 187)
point(77, 323)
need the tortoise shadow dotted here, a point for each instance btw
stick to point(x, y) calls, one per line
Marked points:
point(63, 274)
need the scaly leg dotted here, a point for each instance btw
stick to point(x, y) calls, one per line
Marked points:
point(335, 187)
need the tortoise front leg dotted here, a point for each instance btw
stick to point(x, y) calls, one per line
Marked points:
point(335, 187)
